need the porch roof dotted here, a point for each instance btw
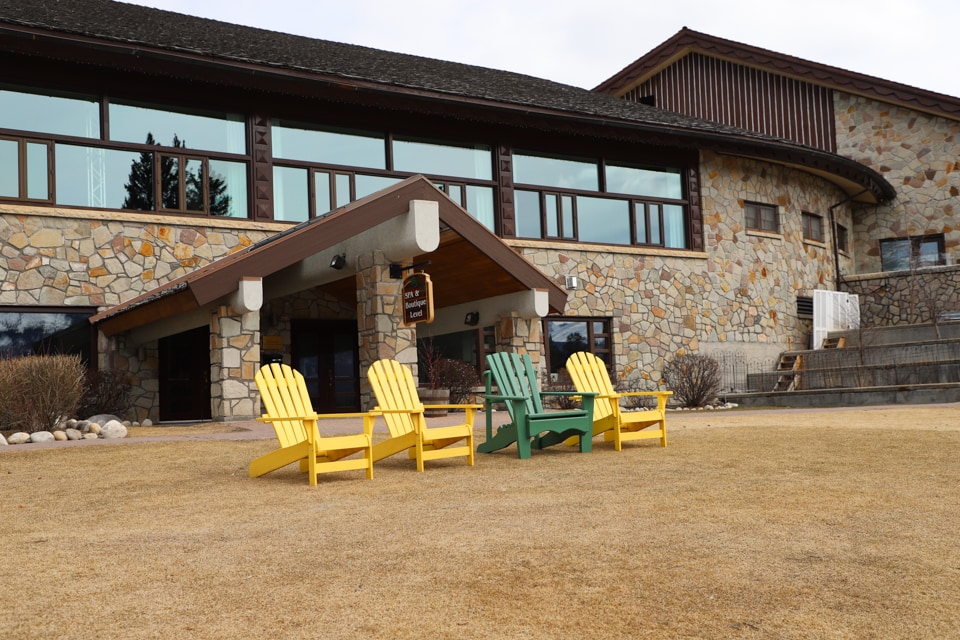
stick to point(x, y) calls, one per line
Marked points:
point(468, 262)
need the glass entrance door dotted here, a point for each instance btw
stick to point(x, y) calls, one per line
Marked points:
point(185, 376)
point(325, 352)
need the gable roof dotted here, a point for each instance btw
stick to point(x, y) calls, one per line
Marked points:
point(687, 41)
point(465, 246)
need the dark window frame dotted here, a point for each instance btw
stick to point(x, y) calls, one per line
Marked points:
point(842, 238)
point(604, 353)
point(755, 220)
point(914, 246)
point(812, 225)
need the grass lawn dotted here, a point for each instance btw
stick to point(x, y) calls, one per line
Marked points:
point(751, 524)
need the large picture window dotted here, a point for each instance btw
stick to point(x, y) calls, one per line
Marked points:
point(46, 331)
point(902, 254)
point(590, 201)
point(566, 336)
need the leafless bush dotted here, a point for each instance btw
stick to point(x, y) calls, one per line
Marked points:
point(693, 378)
point(459, 376)
point(37, 392)
point(563, 383)
point(106, 392)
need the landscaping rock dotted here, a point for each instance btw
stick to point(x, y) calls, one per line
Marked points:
point(60, 436)
point(41, 436)
point(94, 428)
point(71, 423)
point(90, 436)
point(74, 434)
point(147, 422)
point(113, 429)
point(19, 438)
point(102, 418)
point(83, 425)
point(3, 441)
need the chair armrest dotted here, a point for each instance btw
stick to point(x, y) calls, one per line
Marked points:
point(569, 393)
point(631, 394)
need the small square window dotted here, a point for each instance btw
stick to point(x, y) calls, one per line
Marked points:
point(812, 227)
point(762, 217)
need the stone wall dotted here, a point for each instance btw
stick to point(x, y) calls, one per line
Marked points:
point(52, 257)
point(918, 155)
point(906, 297)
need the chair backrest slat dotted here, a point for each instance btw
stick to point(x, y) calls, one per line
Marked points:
point(394, 388)
point(589, 373)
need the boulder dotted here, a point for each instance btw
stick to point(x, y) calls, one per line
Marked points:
point(90, 436)
point(19, 438)
point(102, 418)
point(147, 422)
point(3, 441)
point(73, 434)
point(71, 423)
point(60, 436)
point(113, 429)
point(41, 436)
point(94, 428)
point(83, 425)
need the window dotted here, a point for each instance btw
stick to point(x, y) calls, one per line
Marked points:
point(842, 240)
point(443, 159)
point(645, 205)
point(294, 141)
point(218, 132)
point(55, 330)
point(62, 114)
point(566, 336)
point(812, 226)
point(761, 217)
point(25, 169)
point(901, 254)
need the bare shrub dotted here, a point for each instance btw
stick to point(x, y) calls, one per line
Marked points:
point(562, 383)
point(693, 378)
point(39, 391)
point(459, 376)
point(106, 392)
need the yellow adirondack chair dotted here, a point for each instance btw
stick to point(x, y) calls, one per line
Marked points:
point(589, 373)
point(400, 406)
point(287, 407)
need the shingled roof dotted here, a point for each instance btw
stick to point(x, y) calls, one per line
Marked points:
point(145, 30)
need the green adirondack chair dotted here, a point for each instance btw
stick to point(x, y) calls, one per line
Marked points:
point(531, 427)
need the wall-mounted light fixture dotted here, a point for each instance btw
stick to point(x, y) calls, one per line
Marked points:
point(472, 319)
point(339, 261)
point(572, 283)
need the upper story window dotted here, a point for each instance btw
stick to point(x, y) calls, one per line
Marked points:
point(152, 158)
point(295, 141)
point(330, 168)
point(761, 217)
point(812, 226)
point(55, 114)
point(590, 201)
point(843, 238)
point(218, 132)
point(902, 254)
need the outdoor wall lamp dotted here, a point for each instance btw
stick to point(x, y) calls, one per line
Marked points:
point(339, 261)
point(472, 319)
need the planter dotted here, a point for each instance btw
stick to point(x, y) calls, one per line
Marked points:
point(434, 396)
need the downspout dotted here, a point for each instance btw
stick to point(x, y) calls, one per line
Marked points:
point(838, 279)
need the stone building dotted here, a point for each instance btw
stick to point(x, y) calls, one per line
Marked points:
point(183, 199)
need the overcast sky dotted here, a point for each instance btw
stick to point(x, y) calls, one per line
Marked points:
point(583, 42)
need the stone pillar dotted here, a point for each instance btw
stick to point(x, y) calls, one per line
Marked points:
point(515, 334)
point(382, 333)
point(234, 359)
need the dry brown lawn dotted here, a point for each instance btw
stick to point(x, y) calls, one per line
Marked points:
point(751, 524)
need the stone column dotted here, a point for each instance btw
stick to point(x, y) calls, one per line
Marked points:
point(516, 334)
point(382, 333)
point(234, 359)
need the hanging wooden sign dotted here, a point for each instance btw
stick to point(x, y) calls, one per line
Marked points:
point(417, 299)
